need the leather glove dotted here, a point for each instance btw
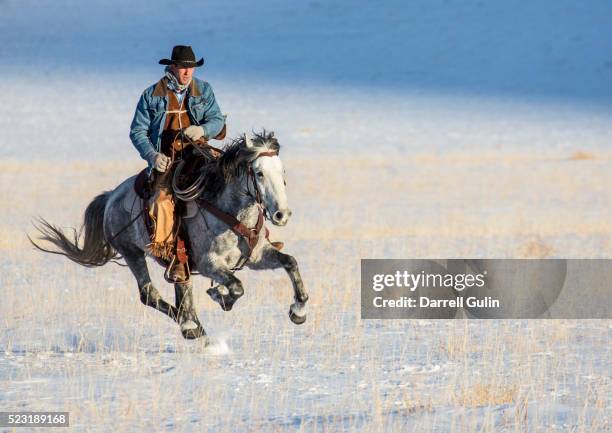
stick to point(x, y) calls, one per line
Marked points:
point(194, 132)
point(161, 162)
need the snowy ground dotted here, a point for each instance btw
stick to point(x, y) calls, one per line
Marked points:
point(434, 129)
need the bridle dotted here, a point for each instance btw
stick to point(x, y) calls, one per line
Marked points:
point(251, 175)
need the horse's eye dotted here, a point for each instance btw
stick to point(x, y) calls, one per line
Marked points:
point(259, 174)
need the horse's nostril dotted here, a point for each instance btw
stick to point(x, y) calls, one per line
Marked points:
point(278, 216)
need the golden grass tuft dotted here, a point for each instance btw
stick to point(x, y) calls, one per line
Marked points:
point(485, 394)
point(581, 155)
point(536, 249)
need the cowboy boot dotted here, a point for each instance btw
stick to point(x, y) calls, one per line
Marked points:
point(178, 272)
point(179, 268)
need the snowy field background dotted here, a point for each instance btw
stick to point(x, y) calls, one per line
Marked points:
point(422, 129)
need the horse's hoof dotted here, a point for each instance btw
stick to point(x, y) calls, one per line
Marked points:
point(192, 334)
point(225, 301)
point(298, 320)
point(192, 330)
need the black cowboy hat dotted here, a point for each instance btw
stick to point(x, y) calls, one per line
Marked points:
point(182, 56)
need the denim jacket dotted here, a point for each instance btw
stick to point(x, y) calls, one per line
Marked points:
point(150, 116)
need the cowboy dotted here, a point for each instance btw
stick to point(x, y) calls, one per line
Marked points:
point(178, 111)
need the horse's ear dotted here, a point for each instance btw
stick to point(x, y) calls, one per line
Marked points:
point(248, 141)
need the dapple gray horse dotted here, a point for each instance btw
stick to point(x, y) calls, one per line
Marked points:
point(246, 180)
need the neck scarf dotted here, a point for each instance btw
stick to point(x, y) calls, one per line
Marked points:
point(173, 83)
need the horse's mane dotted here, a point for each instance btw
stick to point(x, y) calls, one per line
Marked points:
point(234, 161)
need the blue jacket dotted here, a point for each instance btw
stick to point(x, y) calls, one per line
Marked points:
point(150, 116)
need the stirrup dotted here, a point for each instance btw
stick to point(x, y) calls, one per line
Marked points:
point(168, 273)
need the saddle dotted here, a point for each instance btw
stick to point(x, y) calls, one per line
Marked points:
point(143, 188)
point(141, 185)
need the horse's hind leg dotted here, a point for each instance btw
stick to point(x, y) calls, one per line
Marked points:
point(148, 293)
point(187, 316)
point(271, 258)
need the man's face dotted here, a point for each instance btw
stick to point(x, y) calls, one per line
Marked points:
point(182, 74)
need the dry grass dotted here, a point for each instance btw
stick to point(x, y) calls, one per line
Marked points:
point(115, 361)
point(581, 155)
point(485, 394)
point(536, 249)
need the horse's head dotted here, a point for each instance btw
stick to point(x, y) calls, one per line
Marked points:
point(254, 163)
point(268, 176)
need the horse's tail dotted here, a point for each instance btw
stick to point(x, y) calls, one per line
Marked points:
point(96, 251)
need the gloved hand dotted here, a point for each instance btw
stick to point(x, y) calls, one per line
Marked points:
point(161, 163)
point(194, 132)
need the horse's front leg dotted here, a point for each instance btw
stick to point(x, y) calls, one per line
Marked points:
point(271, 258)
point(229, 289)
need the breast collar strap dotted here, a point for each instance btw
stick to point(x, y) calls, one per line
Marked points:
point(250, 235)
